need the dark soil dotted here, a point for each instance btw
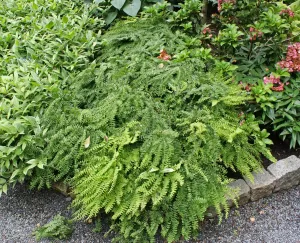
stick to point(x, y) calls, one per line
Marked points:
point(280, 150)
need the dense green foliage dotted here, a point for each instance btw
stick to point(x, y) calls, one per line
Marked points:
point(255, 36)
point(60, 228)
point(42, 45)
point(149, 140)
point(110, 10)
point(146, 120)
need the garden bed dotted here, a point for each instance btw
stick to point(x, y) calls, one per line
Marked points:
point(146, 116)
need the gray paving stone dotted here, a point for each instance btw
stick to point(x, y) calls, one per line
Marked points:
point(211, 212)
point(61, 187)
point(262, 185)
point(243, 192)
point(286, 172)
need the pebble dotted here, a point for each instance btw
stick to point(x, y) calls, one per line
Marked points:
point(22, 210)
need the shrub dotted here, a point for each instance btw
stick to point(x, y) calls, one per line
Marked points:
point(255, 43)
point(278, 104)
point(149, 140)
point(110, 10)
point(42, 45)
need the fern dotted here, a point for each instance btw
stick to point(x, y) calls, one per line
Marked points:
point(161, 135)
point(59, 228)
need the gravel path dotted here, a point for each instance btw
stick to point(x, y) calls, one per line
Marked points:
point(276, 219)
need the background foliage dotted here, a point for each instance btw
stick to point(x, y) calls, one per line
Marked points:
point(42, 45)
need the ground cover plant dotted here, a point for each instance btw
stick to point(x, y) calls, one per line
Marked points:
point(145, 117)
point(60, 228)
point(42, 44)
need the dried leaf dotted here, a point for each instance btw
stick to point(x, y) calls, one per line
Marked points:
point(161, 65)
point(153, 169)
point(87, 142)
point(164, 55)
point(168, 170)
point(252, 219)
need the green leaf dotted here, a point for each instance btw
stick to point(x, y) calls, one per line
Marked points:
point(50, 25)
point(2, 181)
point(14, 174)
point(118, 4)
point(110, 15)
point(153, 170)
point(32, 162)
point(214, 102)
point(65, 19)
point(293, 140)
point(132, 7)
point(25, 171)
point(4, 188)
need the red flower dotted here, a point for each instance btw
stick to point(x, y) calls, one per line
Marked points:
point(276, 84)
point(254, 33)
point(164, 55)
point(248, 88)
point(288, 12)
point(206, 30)
point(278, 88)
point(292, 60)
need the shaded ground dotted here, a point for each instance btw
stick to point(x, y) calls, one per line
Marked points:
point(277, 219)
point(280, 150)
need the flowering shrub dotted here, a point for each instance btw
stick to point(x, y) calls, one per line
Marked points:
point(285, 115)
point(288, 11)
point(266, 30)
point(227, 2)
point(292, 60)
point(255, 33)
point(281, 110)
point(276, 84)
point(278, 104)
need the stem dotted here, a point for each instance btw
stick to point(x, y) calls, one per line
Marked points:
point(258, 3)
point(204, 12)
point(250, 50)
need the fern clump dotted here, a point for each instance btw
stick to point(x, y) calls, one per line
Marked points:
point(146, 140)
point(60, 228)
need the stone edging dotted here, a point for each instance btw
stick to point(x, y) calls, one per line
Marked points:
point(281, 175)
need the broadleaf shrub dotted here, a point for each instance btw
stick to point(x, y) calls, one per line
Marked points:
point(260, 44)
point(42, 45)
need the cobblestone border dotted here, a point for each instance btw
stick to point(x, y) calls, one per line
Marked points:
point(281, 175)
